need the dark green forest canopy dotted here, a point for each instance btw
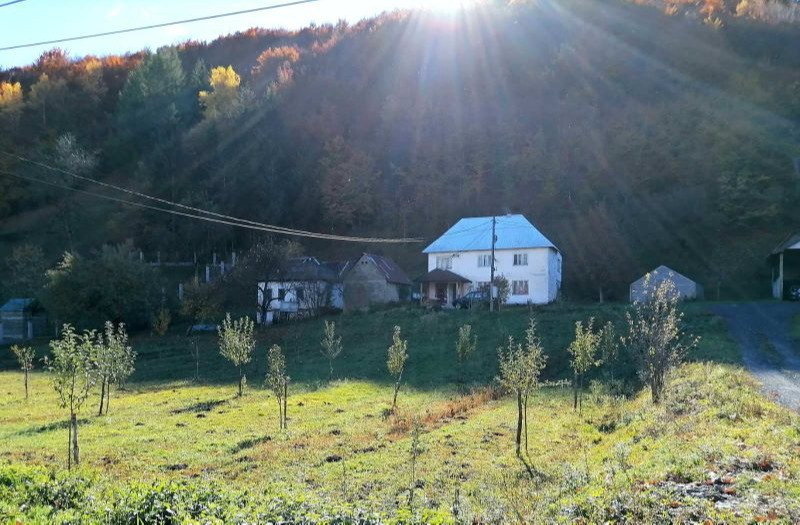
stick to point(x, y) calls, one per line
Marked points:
point(631, 135)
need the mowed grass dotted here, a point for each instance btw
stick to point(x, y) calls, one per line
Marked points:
point(617, 456)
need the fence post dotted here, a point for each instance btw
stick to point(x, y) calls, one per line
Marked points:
point(208, 274)
point(30, 329)
point(180, 291)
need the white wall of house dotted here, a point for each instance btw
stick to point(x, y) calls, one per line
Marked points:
point(290, 300)
point(536, 278)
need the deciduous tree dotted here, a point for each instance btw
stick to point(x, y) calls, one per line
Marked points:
point(114, 361)
point(25, 356)
point(583, 350)
point(656, 336)
point(465, 347)
point(331, 345)
point(396, 361)
point(236, 344)
point(73, 373)
point(520, 368)
point(223, 101)
point(278, 381)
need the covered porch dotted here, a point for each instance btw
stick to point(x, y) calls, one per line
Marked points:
point(442, 287)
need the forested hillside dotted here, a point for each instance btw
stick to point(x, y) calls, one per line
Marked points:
point(631, 135)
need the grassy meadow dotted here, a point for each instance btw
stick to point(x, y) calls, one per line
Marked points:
point(175, 449)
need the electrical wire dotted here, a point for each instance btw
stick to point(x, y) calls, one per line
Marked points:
point(11, 3)
point(288, 231)
point(299, 233)
point(155, 26)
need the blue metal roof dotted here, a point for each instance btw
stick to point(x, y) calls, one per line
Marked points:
point(475, 233)
point(16, 305)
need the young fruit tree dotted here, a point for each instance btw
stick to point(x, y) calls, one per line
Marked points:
point(656, 336)
point(396, 361)
point(331, 345)
point(73, 374)
point(236, 344)
point(278, 381)
point(582, 349)
point(609, 347)
point(114, 360)
point(520, 368)
point(465, 347)
point(25, 356)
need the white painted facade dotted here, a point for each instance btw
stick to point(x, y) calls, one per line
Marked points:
point(534, 279)
point(285, 300)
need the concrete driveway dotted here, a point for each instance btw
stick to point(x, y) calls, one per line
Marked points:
point(762, 329)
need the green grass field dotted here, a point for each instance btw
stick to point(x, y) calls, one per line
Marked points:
point(716, 448)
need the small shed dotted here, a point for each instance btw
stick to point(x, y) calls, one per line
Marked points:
point(785, 263)
point(21, 319)
point(686, 288)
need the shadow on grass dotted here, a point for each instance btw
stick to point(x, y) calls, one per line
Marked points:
point(249, 443)
point(202, 406)
point(50, 427)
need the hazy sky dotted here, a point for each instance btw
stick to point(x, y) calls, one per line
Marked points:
point(37, 20)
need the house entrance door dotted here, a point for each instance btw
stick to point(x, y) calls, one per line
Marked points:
point(441, 292)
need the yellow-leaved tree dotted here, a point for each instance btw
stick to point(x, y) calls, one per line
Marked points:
point(223, 101)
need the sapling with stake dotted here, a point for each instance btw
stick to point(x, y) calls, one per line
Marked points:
point(331, 345)
point(278, 381)
point(396, 361)
point(73, 374)
point(25, 356)
point(236, 344)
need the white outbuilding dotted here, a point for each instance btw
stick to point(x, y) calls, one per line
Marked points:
point(461, 260)
point(685, 287)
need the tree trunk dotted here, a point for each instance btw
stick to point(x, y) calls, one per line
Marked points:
point(75, 451)
point(240, 381)
point(280, 413)
point(396, 390)
point(330, 364)
point(580, 395)
point(575, 391)
point(26, 383)
point(69, 445)
point(519, 422)
point(108, 397)
point(600, 294)
point(102, 396)
point(285, 397)
point(525, 421)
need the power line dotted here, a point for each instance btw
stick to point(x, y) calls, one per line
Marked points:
point(229, 218)
point(256, 226)
point(11, 3)
point(154, 26)
point(299, 233)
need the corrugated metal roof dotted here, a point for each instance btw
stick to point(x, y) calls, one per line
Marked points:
point(17, 305)
point(789, 243)
point(663, 273)
point(475, 233)
point(393, 273)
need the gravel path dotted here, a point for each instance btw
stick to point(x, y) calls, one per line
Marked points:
point(777, 364)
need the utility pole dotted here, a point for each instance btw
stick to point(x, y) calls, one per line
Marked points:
point(491, 272)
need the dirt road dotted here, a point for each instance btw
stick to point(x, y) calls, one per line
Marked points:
point(762, 329)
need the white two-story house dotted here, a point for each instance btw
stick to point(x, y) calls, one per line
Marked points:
point(460, 261)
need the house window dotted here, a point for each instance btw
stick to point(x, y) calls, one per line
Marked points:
point(481, 286)
point(281, 294)
point(268, 293)
point(301, 294)
point(520, 259)
point(444, 262)
point(484, 261)
point(519, 287)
